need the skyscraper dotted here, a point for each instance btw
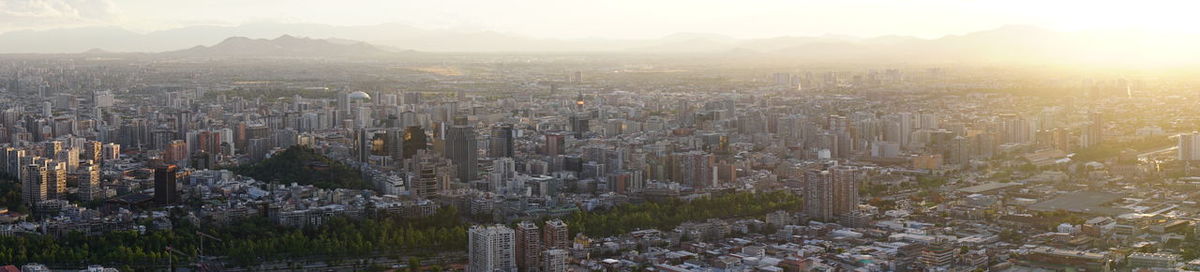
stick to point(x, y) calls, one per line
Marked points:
point(529, 246)
point(491, 248)
point(362, 144)
point(501, 142)
point(579, 124)
point(164, 184)
point(393, 143)
point(461, 148)
point(414, 139)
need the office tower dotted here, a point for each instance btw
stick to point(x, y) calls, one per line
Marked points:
point(362, 145)
point(201, 160)
point(503, 174)
point(491, 248)
point(393, 144)
point(554, 260)
point(529, 246)
point(414, 140)
point(555, 235)
point(429, 173)
point(501, 142)
point(832, 192)
point(89, 181)
point(461, 148)
point(164, 184)
point(1189, 146)
point(579, 124)
point(33, 184)
point(56, 179)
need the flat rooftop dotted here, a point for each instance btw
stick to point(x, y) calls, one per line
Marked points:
point(990, 186)
point(1082, 202)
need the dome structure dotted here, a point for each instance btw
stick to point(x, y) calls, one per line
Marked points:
point(359, 96)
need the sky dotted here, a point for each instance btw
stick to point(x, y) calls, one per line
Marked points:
point(621, 19)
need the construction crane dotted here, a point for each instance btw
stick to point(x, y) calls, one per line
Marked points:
point(200, 265)
point(205, 235)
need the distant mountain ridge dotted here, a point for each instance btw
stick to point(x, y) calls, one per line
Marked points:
point(283, 46)
point(1005, 44)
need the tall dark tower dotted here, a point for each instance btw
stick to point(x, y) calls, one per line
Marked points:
point(501, 142)
point(414, 140)
point(461, 149)
point(579, 124)
point(579, 103)
point(362, 144)
point(164, 184)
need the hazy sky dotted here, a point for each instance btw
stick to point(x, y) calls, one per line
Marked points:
point(620, 18)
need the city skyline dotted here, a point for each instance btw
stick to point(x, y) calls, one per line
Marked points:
point(569, 136)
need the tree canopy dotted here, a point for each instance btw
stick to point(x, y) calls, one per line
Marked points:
point(304, 166)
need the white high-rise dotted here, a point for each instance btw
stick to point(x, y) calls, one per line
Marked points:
point(492, 248)
point(1189, 146)
point(554, 260)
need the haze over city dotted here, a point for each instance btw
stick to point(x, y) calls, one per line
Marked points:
point(571, 136)
point(1152, 33)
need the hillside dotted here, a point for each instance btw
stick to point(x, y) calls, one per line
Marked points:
point(304, 166)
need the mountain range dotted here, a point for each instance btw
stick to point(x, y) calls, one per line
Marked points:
point(283, 46)
point(1004, 44)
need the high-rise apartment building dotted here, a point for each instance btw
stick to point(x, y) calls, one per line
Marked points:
point(529, 246)
point(491, 249)
point(1189, 146)
point(832, 192)
point(555, 234)
point(33, 184)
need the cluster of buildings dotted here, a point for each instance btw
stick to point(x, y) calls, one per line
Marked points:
point(898, 169)
point(527, 247)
